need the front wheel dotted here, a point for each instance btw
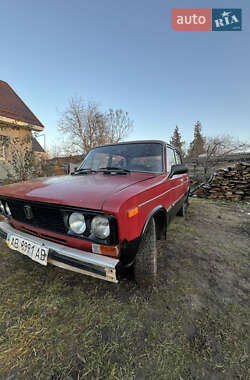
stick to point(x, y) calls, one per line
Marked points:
point(145, 267)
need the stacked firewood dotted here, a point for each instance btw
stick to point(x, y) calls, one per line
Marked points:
point(232, 183)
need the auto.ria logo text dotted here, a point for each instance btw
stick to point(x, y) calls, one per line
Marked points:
point(206, 19)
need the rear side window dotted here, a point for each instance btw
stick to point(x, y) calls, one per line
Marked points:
point(170, 159)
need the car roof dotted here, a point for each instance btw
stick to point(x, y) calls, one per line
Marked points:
point(139, 142)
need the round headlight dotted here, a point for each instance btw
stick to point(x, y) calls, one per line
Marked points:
point(100, 227)
point(77, 223)
point(2, 207)
point(7, 209)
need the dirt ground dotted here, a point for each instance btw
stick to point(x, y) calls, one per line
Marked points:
point(193, 324)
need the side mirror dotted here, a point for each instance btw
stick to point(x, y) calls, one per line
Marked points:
point(178, 169)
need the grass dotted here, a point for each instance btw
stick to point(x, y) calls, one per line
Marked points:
point(194, 324)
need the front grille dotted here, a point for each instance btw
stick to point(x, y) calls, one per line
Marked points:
point(44, 217)
point(53, 218)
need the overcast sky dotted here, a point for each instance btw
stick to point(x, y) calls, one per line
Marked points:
point(123, 54)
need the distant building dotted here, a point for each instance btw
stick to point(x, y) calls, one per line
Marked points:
point(37, 149)
point(66, 164)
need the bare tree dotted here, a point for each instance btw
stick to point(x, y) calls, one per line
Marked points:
point(58, 148)
point(118, 123)
point(87, 127)
point(55, 150)
point(219, 148)
point(218, 152)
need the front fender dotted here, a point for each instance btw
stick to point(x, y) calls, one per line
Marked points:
point(128, 249)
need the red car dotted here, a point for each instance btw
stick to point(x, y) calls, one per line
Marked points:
point(105, 217)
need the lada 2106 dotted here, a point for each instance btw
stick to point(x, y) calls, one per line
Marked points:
point(104, 218)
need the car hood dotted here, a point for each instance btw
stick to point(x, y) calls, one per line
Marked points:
point(86, 191)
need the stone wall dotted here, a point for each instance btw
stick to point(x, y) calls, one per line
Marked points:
point(22, 138)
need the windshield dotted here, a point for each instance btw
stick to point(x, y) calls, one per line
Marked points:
point(137, 157)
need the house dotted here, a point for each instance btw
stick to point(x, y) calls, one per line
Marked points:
point(17, 122)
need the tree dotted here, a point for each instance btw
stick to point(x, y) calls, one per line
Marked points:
point(56, 149)
point(197, 146)
point(219, 148)
point(217, 151)
point(176, 142)
point(86, 126)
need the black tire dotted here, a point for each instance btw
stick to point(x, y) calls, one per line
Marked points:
point(183, 209)
point(145, 267)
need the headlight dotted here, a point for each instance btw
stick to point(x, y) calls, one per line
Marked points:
point(100, 227)
point(2, 207)
point(7, 209)
point(77, 223)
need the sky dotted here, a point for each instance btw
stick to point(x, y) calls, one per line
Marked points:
point(124, 54)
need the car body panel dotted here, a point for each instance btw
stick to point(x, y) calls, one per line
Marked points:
point(84, 191)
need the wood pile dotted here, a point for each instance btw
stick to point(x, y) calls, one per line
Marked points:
point(232, 183)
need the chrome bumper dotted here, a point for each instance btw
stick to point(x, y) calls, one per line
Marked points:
point(70, 258)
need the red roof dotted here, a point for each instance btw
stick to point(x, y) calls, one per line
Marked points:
point(12, 107)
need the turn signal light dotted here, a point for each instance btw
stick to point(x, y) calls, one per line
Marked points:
point(105, 250)
point(133, 212)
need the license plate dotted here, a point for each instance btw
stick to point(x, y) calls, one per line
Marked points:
point(36, 252)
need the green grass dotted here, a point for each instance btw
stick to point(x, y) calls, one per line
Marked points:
point(194, 324)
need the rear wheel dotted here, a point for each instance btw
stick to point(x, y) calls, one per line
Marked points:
point(145, 267)
point(183, 209)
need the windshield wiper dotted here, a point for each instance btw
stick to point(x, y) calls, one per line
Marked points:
point(110, 169)
point(84, 171)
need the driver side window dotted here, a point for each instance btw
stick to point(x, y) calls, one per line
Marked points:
point(170, 159)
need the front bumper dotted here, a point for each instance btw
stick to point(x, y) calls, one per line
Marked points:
point(70, 258)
